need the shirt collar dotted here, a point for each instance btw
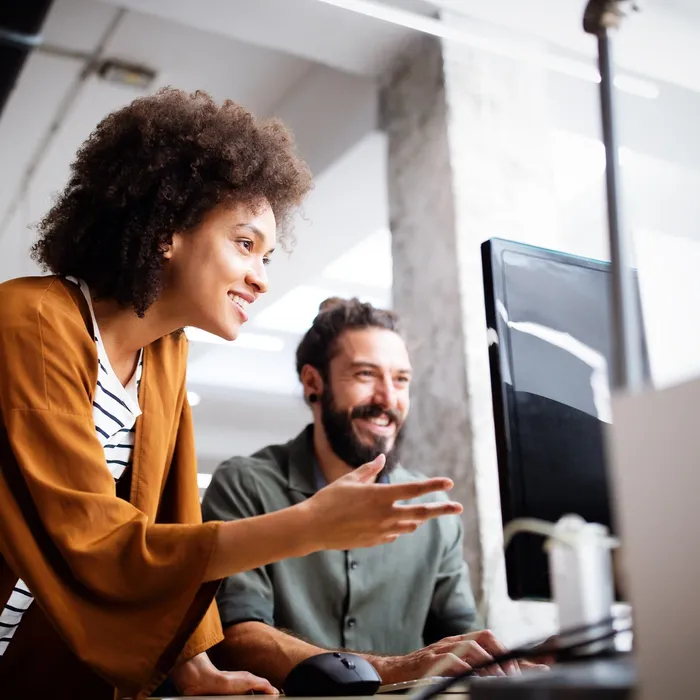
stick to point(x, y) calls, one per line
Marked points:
point(126, 396)
point(302, 462)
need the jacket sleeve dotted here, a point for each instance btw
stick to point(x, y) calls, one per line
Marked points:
point(182, 505)
point(125, 593)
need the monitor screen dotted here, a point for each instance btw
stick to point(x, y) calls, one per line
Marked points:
point(550, 350)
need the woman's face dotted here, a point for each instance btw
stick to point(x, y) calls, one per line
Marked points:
point(216, 270)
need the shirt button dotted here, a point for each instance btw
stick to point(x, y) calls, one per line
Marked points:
point(353, 565)
point(351, 622)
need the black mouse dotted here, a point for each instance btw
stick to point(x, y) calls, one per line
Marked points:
point(332, 673)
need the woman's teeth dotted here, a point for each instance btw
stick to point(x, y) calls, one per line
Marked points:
point(238, 300)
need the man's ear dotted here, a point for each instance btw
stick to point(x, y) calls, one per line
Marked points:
point(312, 383)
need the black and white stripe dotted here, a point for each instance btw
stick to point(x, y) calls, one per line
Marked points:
point(11, 615)
point(115, 409)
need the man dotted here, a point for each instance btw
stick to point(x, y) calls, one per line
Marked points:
point(387, 601)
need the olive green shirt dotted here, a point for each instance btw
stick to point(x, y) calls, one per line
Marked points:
point(389, 599)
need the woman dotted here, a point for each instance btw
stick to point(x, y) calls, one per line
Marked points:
point(107, 574)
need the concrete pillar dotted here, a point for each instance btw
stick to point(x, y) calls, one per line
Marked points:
point(468, 142)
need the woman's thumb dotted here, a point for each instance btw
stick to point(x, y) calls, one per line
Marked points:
point(368, 472)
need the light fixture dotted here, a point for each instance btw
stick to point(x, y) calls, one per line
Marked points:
point(193, 398)
point(296, 310)
point(635, 86)
point(368, 263)
point(203, 480)
point(124, 73)
point(503, 47)
point(250, 341)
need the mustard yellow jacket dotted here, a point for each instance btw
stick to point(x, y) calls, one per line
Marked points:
point(118, 585)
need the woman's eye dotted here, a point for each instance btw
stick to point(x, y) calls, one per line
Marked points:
point(248, 245)
point(266, 260)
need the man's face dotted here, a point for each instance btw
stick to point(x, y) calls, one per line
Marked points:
point(365, 401)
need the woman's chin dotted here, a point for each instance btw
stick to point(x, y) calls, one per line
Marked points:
point(230, 334)
point(227, 332)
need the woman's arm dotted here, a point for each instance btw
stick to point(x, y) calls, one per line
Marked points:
point(352, 512)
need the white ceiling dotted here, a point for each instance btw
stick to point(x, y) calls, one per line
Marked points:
point(689, 8)
point(660, 41)
point(306, 28)
point(314, 65)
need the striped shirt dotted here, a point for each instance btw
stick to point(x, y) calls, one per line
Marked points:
point(115, 409)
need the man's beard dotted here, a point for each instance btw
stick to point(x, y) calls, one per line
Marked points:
point(347, 445)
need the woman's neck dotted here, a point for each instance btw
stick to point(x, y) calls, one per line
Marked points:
point(124, 333)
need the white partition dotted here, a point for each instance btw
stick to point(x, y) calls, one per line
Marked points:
point(655, 450)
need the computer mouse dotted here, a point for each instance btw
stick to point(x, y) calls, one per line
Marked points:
point(332, 673)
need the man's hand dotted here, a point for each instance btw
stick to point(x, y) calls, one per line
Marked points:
point(538, 665)
point(477, 648)
point(199, 676)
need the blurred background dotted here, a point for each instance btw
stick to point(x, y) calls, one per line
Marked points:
point(518, 88)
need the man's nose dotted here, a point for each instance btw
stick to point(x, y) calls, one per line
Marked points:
point(386, 394)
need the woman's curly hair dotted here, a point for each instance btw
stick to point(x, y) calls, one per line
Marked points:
point(156, 167)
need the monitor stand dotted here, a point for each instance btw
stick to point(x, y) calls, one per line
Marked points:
point(602, 679)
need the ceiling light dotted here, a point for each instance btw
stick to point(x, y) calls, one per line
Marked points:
point(123, 73)
point(368, 263)
point(503, 47)
point(203, 480)
point(193, 398)
point(250, 341)
point(578, 162)
point(258, 341)
point(636, 86)
point(296, 310)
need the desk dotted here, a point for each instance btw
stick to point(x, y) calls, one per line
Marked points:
point(600, 679)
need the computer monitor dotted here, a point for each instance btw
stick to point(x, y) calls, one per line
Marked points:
point(550, 352)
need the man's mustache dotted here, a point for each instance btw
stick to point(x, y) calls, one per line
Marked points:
point(374, 410)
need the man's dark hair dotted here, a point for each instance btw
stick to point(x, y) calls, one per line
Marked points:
point(156, 167)
point(335, 316)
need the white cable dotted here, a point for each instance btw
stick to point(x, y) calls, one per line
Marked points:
point(514, 527)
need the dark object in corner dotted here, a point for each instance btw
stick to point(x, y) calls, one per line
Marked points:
point(20, 23)
point(332, 674)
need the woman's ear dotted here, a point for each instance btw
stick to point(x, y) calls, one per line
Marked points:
point(167, 248)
